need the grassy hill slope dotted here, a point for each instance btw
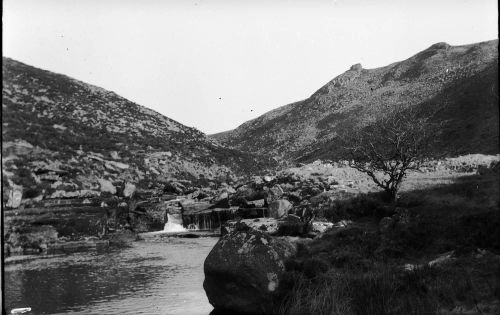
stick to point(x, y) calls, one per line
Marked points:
point(462, 80)
point(79, 133)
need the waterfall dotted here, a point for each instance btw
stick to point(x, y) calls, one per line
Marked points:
point(173, 224)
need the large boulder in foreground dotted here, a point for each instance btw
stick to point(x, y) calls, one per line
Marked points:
point(243, 270)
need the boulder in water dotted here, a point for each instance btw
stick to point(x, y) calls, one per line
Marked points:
point(243, 271)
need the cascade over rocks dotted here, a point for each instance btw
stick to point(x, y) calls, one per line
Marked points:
point(243, 271)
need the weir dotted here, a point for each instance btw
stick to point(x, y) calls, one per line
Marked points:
point(208, 219)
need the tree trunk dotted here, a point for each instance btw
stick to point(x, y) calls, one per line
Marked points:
point(393, 195)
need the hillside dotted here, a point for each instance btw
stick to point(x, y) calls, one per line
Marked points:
point(60, 134)
point(462, 80)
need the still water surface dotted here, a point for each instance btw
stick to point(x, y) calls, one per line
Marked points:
point(149, 278)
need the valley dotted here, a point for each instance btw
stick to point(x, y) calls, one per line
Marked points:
point(85, 170)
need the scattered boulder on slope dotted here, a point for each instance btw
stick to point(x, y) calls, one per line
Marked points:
point(15, 196)
point(243, 270)
point(129, 190)
point(274, 193)
point(107, 186)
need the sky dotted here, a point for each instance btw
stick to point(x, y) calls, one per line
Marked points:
point(215, 64)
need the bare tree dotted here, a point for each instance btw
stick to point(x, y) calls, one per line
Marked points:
point(387, 149)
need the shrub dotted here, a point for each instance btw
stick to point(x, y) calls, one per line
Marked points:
point(356, 207)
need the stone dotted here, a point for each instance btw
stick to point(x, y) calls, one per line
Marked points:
point(257, 203)
point(249, 193)
point(321, 227)
point(116, 165)
point(267, 179)
point(356, 67)
point(442, 259)
point(56, 184)
point(34, 237)
point(222, 196)
point(230, 190)
point(129, 190)
point(342, 224)
point(15, 197)
point(173, 188)
point(32, 201)
point(267, 225)
point(87, 193)
point(411, 267)
point(74, 194)
point(294, 196)
point(221, 201)
point(274, 193)
point(59, 127)
point(191, 206)
point(107, 186)
point(243, 271)
point(279, 208)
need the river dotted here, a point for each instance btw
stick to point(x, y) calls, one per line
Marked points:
point(148, 278)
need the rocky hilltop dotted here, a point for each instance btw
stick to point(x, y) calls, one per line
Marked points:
point(461, 80)
point(65, 138)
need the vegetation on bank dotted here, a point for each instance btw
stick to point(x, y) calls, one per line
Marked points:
point(436, 251)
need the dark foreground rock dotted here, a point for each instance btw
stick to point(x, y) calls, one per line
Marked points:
point(243, 270)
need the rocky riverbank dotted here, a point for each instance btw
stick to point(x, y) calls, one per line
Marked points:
point(292, 201)
point(36, 225)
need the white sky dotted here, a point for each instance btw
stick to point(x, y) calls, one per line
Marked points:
point(216, 64)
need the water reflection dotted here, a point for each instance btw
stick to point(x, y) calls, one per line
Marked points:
point(149, 278)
